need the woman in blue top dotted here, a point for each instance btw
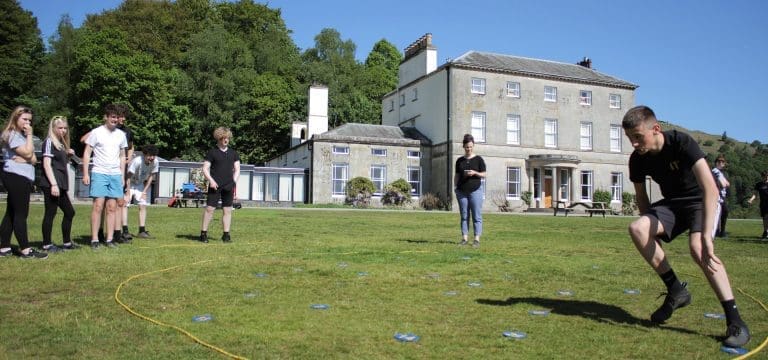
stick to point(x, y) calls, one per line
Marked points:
point(18, 174)
point(470, 169)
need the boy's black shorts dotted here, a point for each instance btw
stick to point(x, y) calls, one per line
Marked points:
point(677, 216)
point(226, 195)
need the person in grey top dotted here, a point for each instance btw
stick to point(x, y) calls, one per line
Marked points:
point(18, 174)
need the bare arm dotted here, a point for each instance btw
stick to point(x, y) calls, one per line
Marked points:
point(48, 170)
point(86, 163)
point(641, 197)
point(207, 173)
point(710, 192)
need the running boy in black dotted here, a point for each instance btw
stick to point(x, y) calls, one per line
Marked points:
point(222, 169)
point(674, 161)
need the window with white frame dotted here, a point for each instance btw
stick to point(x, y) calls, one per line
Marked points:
point(342, 150)
point(614, 101)
point(513, 89)
point(513, 129)
point(378, 152)
point(414, 154)
point(339, 177)
point(615, 138)
point(586, 186)
point(586, 136)
point(478, 86)
point(550, 94)
point(513, 182)
point(414, 178)
point(478, 126)
point(550, 133)
point(585, 97)
point(379, 178)
point(391, 105)
point(616, 186)
point(565, 181)
point(415, 94)
point(402, 99)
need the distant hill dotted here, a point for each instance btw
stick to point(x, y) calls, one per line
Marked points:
point(709, 143)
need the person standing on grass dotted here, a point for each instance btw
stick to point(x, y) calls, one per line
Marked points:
point(121, 221)
point(106, 143)
point(722, 187)
point(222, 169)
point(470, 170)
point(18, 175)
point(55, 183)
point(141, 173)
point(761, 189)
point(675, 161)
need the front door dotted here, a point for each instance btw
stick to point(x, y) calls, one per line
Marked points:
point(548, 192)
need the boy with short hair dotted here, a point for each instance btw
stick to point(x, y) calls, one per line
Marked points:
point(106, 143)
point(222, 169)
point(141, 172)
point(674, 161)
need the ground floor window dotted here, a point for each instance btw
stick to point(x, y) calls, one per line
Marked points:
point(513, 182)
point(414, 178)
point(616, 186)
point(379, 178)
point(339, 177)
point(586, 185)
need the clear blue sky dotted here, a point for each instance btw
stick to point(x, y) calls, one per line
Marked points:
point(702, 64)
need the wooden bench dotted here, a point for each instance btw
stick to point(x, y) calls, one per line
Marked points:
point(561, 206)
point(596, 207)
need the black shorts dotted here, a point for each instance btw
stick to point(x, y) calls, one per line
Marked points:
point(226, 194)
point(677, 216)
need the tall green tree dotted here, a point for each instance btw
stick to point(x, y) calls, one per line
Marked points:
point(21, 53)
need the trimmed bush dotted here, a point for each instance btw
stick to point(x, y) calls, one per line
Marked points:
point(397, 193)
point(359, 191)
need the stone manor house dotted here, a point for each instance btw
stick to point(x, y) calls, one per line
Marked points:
point(545, 127)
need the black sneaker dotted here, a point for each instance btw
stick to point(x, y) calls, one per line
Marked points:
point(110, 244)
point(7, 254)
point(672, 301)
point(765, 235)
point(736, 336)
point(144, 235)
point(204, 238)
point(51, 249)
point(225, 238)
point(124, 239)
point(127, 237)
point(95, 245)
point(69, 246)
point(463, 243)
point(33, 254)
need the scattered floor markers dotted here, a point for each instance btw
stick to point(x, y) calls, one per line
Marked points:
point(343, 265)
point(319, 306)
point(514, 334)
point(202, 318)
point(632, 291)
point(362, 273)
point(734, 351)
point(409, 337)
point(565, 292)
point(539, 312)
point(475, 284)
point(252, 294)
point(714, 316)
point(260, 275)
point(466, 258)
point(451, 293)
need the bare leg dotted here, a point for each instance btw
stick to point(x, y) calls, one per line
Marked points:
point(98, 206)
point(207, 216)
point(226, 219)
point(645, 233)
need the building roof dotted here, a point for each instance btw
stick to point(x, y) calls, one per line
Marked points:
point(369, 133)
point(537, 68)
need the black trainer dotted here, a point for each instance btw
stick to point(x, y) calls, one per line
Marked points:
point(680, 298)
point(225, 238)
point(69, 246)
point(95, 245)
point(736, 336)
point(204, 238)
point(8, 253)
point(33, 254)
point(110, 244)
point(51, 248)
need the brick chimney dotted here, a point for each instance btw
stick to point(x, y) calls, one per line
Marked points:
point(420, 59)
point(586, 62)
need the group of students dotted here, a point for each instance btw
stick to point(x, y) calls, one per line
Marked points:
point(671, 158)
point(115, 179)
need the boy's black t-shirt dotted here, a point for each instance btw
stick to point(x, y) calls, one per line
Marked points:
point(762, 190)
point(222, 166)
point(671, 168)
point(468, 184)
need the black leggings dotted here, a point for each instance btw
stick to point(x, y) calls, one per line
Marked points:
point(723, 217)
point(15, 220)
point(52, 203)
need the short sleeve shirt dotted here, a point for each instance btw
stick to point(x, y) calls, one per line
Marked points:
point(139, 170)
point(671, 168)
point(107, 146)
point(223, 166)
point(762, 190)
point(59, 162)
point(719, 177)
point(16, 139)
point(468, 184)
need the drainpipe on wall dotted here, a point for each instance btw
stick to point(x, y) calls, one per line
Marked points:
point(449, 145)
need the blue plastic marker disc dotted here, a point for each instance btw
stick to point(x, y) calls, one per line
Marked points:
point(409, 337)
point(202, 318)
point(475, 284)
point(632, 291)
point(362, 273)
point(319, 306)
point(466, 258)
point(564, 292)
point(514, 334)
point(734, 351)
point(451, 293)
point(539, 312)
point(260, 275)
point(714, 316)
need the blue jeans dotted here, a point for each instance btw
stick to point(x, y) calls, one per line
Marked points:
point(471, 202)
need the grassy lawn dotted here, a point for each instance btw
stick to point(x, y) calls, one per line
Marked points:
point(379, 272)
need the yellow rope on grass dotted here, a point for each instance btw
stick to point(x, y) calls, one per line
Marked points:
point(763, 344)
point(157, 322)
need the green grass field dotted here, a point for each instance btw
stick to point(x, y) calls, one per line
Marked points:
point(380, 272)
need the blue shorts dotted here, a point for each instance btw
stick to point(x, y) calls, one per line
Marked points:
point(106, 186)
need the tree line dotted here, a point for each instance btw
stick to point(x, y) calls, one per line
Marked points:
point(185, 67)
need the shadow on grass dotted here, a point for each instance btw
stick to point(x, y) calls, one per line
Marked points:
point(421, 241)
point(188, 237)
point(592, 310)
